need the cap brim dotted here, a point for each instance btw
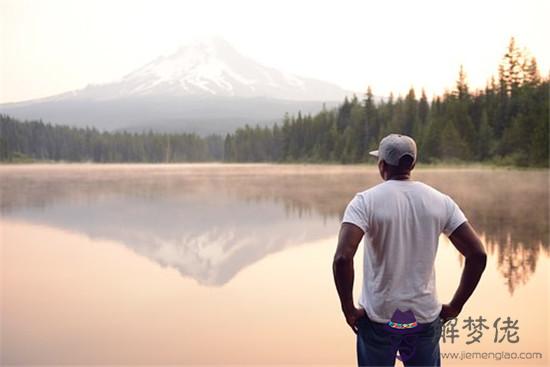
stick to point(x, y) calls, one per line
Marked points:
point(374, 153)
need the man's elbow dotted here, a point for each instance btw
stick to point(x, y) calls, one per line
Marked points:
point(341, 260)
point(479, 259)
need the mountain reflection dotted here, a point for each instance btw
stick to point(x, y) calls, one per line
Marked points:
point(210, 221)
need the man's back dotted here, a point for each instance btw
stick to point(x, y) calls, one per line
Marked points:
point(402, 221)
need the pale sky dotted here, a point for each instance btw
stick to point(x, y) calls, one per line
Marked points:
point(53, 46)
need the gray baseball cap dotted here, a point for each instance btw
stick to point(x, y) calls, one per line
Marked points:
point(393, 147)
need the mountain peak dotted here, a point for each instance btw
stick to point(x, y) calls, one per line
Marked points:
point(210, 42)
point(205, 86)
point(210, 66)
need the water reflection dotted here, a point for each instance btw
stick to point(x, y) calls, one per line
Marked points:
point(211, 221)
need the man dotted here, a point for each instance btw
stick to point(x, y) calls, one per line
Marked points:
point(401, 221)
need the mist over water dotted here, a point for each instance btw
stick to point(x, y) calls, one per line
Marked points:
point(214, 230)
point(169, 212)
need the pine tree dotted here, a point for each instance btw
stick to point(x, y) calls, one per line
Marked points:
point(511, 69)
point(371, 123)
point(462, 85)
point(484, 138)
point(532, 75)
point(410, 114)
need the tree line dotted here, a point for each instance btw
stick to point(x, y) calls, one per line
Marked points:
point(505, 123)
point(36, 140)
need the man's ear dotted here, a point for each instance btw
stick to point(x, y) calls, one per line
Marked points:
point(382, 168)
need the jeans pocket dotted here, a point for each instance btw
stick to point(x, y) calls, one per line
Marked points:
point(362, 322)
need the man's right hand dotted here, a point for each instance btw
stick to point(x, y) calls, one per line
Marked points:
point(352, 316)
point(449, 312)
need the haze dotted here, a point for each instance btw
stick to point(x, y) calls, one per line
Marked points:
point(49, 47)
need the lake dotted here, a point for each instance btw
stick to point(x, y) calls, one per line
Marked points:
point(232, 264)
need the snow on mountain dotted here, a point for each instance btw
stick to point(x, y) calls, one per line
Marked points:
point(204, 87)
point(212, 67)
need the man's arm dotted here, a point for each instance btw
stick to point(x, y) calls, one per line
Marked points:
point(467, 242)
point(342, 267)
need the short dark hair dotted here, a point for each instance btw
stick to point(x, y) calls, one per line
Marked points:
point(406, 164)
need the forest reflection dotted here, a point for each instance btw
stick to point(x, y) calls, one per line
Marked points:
point(509, 208)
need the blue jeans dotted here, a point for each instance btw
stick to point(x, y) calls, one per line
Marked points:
point(377, 346)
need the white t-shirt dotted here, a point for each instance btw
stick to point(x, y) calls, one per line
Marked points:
point(402, 221)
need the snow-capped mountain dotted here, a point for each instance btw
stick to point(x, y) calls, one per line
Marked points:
point(211, 67)
point(202, 85)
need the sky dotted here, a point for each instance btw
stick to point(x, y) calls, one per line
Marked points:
point(53, 46)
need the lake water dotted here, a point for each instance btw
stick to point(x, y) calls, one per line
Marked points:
point(232, 264)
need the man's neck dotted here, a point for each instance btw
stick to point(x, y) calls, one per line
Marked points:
point(403, 177)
